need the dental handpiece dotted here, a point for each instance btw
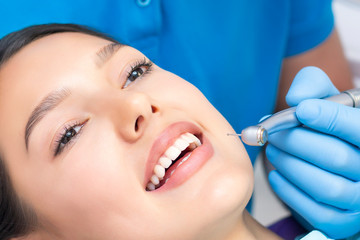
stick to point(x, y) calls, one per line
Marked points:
point(258, 135)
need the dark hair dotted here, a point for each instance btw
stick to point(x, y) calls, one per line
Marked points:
point(16, 217)
point(14, 42)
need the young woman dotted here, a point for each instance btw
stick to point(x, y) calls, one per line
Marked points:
point(99, 143)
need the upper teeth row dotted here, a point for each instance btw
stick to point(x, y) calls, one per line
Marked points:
point(184, 141)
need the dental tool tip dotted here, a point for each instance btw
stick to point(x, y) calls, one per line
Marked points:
point(234, 134)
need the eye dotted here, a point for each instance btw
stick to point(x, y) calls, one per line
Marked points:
point(139, 69)
point(66, 136)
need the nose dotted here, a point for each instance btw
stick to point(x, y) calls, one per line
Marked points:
point(133, 114)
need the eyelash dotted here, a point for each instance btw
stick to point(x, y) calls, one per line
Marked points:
point(138, 65)
point(59, 145)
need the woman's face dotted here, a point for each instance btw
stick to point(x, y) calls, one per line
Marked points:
point(84, 128)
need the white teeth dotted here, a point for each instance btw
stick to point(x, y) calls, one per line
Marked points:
point(159, 171)
point(185, 141)
point(186, 138)
point(172, 152)
point(165, 162)
point(155, 180)
point(181, 144)
point(194, 139)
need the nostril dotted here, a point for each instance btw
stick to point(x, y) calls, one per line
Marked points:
point(153, 109)
point(138, 121)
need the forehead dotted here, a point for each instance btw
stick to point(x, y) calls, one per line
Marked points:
point(47, 56)
point(55, 47)
point(40, 67)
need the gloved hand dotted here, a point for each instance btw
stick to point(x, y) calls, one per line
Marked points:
point(318, 166)
point(315, 235)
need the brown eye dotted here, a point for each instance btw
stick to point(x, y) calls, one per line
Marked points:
point(137, 71)
point(68, 135)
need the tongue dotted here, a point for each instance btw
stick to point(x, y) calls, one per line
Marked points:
point(173, 167)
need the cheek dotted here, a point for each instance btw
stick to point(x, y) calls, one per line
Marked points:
point(87, 188)
point(169, 88)
point(230, 186)
point(184, 96)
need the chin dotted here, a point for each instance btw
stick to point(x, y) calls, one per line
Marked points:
point(232, 190)
point(224, 202)
point(225, 190)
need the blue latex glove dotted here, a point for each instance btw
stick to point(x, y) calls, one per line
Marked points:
point(314, 235)
point(318, 167)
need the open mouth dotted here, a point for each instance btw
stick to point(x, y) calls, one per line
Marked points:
point(174, 156)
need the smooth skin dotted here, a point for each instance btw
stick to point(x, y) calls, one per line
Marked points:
point(94, 188)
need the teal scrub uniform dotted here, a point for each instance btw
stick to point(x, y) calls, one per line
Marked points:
point(231, 50)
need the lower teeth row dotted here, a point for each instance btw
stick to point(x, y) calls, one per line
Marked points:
point(185, 141)
point(151, 186)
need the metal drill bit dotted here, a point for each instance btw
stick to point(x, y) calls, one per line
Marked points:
point(234, 134)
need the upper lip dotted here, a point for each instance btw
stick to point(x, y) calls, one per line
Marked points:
point(164, 141)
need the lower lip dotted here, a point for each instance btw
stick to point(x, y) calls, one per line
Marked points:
point(182, 172)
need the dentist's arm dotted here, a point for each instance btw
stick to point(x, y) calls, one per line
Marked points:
point(328, 56)
point(318, 166)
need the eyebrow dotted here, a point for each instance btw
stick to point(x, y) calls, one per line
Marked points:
point(47, 104)
point(106, 52)
point(56, 97)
